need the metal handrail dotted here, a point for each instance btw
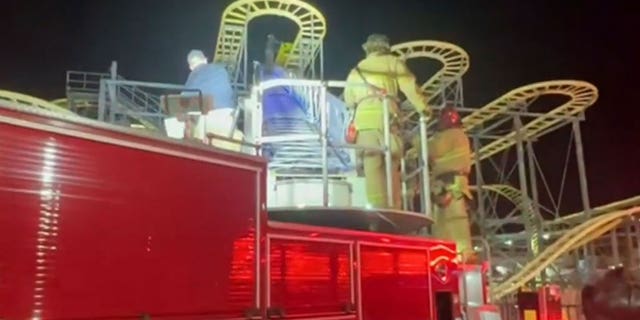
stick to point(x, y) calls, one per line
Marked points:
point(321, 110)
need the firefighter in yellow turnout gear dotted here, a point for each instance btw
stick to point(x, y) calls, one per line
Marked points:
point(450, 165)
point(380, 75)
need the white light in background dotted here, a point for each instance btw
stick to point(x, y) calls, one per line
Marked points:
point(502, 270)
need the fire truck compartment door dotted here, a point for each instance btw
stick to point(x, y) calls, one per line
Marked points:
point(471, 286)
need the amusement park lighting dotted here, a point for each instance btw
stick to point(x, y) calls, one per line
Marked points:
point(502, 270)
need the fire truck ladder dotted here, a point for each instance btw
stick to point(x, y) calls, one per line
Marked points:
point(455, 63)
point(573, 239)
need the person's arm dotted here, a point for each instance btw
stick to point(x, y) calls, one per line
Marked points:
point(349, 91)
point(407, 84)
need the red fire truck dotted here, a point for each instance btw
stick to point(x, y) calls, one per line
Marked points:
point(102, 222)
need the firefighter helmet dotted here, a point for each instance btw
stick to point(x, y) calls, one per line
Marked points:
point(376, 43)
point(449, 118)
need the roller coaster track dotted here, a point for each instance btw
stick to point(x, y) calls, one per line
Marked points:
point(455, 62)
point(531, 220)
point(78, 103)
point(24, 99)
point(62, 102)
point(573, 239)
point(235, 21)
point(569, 220)
point(582, 95)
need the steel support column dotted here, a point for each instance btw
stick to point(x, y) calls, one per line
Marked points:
point(522, 177)
point(479, 188)
point(582, 176)
point(325, 144)
point(533, 181)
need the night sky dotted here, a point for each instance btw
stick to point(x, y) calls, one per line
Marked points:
point(511, 43)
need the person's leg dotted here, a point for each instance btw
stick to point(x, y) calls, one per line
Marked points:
point(451, 222)
point(397, 152)
point(373, 167)
point(456, 224)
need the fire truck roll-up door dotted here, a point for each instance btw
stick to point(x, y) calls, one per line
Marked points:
point(103, 223)
point(395, 282)
point(309, 277)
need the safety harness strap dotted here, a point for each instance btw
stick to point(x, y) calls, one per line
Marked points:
point(374, 91)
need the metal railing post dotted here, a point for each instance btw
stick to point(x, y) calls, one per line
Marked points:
point(480, 185)
point(522, 179)
point(102, 101)
point(405, 193)
point(324, 142)
point(424, 155)
point(615, 247)
point(387, 152)
point(321, 60)
point(631, 262)
point(113, 101)
point(256, 116)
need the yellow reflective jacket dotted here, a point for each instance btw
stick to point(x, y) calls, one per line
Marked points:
point(387, 72)
point(450, 151)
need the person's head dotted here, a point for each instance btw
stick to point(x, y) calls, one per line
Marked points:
point(377, 43)
point(196, 58)
point(449, 118)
